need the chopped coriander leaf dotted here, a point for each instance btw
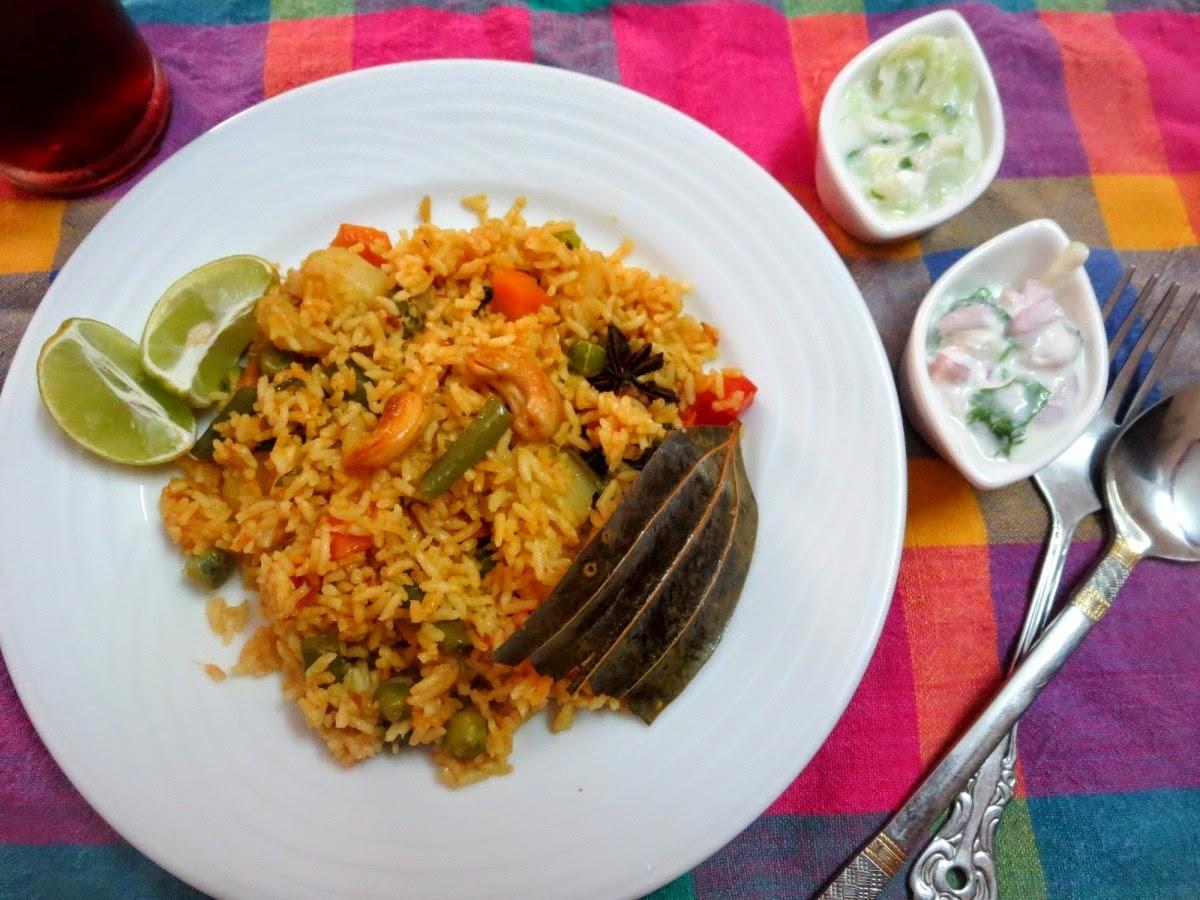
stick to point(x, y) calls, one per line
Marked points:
point(1006, 411)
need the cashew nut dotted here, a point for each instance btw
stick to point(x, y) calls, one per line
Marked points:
point(398, 428)
point(535, 403)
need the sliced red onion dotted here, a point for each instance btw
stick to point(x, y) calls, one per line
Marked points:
point(1036, 292)
point(949, 367)
point(1042, 312)
point(968, 318)
point(1012, 301)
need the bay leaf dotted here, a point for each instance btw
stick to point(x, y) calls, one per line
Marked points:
point(648, 597)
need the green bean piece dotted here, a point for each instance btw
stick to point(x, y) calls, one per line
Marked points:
point(315, 646)
point(241, 402)
point(454, 636)
point(273, 360)
point(571, 238)
point(488, 426)
point(392, 698)
point(210, 569)
point(415, 593)
point(466, 734)
point(585, 358)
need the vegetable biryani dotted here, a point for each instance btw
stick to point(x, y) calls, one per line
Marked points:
point(422, 437)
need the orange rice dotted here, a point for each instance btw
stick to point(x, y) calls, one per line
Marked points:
point(277, 490)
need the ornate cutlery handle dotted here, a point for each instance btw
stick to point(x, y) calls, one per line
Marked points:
point(864, 876)
point(958, 864)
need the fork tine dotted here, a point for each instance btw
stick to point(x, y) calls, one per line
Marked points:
point(1113, 297)
point(1163, 358)
point(1120, 384)
point(1139, 308)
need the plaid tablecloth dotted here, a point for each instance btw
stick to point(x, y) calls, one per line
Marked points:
point(1102, 103)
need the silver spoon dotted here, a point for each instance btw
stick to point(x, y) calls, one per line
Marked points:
point(1152, 489)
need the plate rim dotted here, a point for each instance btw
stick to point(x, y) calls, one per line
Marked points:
point(879, 365)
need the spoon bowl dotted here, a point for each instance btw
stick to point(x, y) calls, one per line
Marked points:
point(1152, 479)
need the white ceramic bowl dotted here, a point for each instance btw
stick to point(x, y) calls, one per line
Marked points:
point(836, 186)
point(1010, 258)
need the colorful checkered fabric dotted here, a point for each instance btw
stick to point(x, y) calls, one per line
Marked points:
point(1102, 103)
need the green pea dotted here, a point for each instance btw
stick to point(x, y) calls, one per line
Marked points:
point(392, 698)
point(273, 360)
point(454, 636)
point(585, 358)
point(315, 646)
point(210, 569)
point(466, 734)
point(571, 238)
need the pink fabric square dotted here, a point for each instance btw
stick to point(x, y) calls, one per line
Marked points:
point(503, 32)
point(729, 65)
point(872, 758)
point(1167, 43)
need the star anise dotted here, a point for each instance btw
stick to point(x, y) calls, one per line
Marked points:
point(624, 367)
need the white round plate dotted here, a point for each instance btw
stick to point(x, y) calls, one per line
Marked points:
point(221, 784)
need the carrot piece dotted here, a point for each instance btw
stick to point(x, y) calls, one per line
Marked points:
point(249, 376)
point(516, 294)
point(348, 235)
point(342, 545)
point(702, 412)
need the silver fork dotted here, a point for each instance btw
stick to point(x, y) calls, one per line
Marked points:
point(958, 863)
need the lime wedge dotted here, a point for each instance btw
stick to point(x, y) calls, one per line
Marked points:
point(202, 324)
point(91, 380)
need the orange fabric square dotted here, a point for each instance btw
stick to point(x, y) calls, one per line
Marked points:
point(1107, 88)
point(1143, 212)
point(821, 46)
point(943, 510)
point(1189, 190)
point(304, 50)
point(29, 231)
point(947, 597)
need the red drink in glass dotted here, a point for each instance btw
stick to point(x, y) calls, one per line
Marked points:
point(83, 101)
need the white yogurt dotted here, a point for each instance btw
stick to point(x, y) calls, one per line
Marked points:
point(1008, 362)
point(909, 128)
